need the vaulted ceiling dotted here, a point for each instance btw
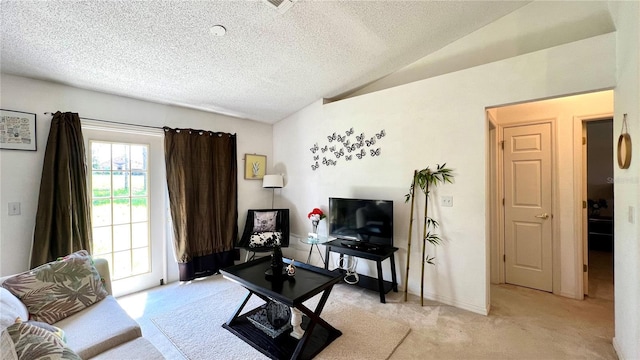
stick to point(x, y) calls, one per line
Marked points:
point(266, 67)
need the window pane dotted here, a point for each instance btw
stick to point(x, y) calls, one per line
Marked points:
point(101, 183)
point(100, 156)
point(121, 237)
point(121, 211)
point(139, 157)
point(102, 240)
point(140, 210)
point(120, 156)
point(101, 212)
point(140, 234)
point(121, 183)
point(121, 264)
point(138, 183)
point(140, 261)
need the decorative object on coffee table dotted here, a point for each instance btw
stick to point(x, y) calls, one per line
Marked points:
point(276, 269)
point(261, 320)
point(291, 269)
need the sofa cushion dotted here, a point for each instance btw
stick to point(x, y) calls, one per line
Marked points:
point(32, 342)
point(98, 328)
point(58, 289)
point(11, 308)
point(53, 329)
point(139, 348)
point(7, 347)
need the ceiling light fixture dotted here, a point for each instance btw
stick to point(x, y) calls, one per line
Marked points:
point(218, 30)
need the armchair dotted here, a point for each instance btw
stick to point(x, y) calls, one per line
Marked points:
point(264, 229)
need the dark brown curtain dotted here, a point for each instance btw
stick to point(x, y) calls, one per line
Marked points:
point(63, 221)
point(203, 195)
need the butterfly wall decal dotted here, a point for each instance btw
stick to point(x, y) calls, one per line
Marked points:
point(332, 137)
point(349, 132)
point(340, 138)
point(360, 137)
point(333, 148)
point(361, 154)
point(338, 154)
point(316, 157)
point(314, 148)
point(375, 152)
point(324, 149)
point(348, 157)
point(315, 166)
point(370, 142)
point(381, 134)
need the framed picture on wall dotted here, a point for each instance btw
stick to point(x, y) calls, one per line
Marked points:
point(17, 130)
point(254, 166)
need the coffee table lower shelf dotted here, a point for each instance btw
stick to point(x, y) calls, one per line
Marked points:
point(283, 346)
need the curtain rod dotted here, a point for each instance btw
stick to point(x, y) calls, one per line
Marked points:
point(114, 122)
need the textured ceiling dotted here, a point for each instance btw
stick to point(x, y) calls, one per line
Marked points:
point(268, 66)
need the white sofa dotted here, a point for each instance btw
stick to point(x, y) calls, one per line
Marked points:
point(103, 330)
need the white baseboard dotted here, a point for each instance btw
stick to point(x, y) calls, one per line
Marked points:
point(616, 348)
point(457, 303)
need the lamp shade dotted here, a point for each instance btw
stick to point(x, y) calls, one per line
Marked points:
point(272, 181)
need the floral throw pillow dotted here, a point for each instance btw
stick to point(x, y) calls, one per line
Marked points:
point(58, 289)
point(264, 221)
point(33, 342)
point(265, 239)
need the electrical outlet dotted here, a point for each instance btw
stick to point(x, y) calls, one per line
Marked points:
point(14, 208)
point(446, 201)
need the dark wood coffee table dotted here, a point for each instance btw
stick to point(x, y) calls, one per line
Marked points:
point(307, 282)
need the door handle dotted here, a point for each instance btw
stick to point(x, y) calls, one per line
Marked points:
point(544, 216)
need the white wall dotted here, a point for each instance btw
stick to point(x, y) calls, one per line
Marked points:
point(626, 182)
point(20, 171)
point(563, 111)
point(437, 120)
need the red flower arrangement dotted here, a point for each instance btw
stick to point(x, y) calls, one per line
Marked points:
point(316, 215)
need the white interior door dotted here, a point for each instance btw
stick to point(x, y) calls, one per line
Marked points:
point(528, 220)
point(127, 187)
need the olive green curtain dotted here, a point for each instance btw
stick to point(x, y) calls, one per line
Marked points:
point(63, 221)
point(202, 183)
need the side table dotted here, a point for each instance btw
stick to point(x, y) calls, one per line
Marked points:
point(314, 242)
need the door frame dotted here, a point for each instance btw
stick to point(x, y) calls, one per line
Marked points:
point(162, 199)
point(555, 220)
point(580, 194)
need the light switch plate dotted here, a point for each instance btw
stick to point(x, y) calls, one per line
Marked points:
point(446, 201)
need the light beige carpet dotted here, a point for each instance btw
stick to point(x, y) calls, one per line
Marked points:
point(196, 330)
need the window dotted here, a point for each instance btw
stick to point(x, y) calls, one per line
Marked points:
point(120, 207)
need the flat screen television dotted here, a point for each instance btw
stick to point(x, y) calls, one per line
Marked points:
point(364, 220)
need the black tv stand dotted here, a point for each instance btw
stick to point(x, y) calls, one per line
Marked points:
point(362, 246)
point(377, 253)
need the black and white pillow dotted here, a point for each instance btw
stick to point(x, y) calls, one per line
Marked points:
point(261, 239)
point(264, 221)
